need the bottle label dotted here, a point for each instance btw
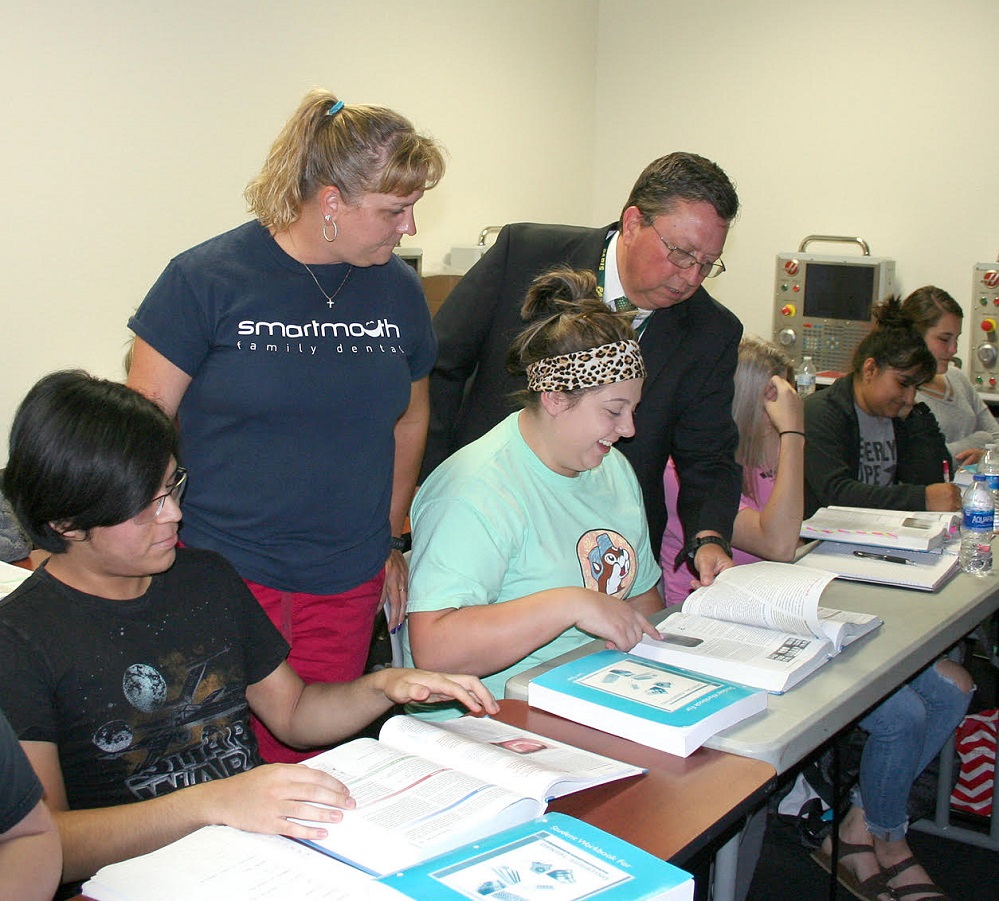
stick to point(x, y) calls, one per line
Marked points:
point(978, 520)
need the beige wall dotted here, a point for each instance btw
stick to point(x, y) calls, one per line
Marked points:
point(130, 128)
point(857, 117)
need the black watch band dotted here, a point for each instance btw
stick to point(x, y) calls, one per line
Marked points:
point(400, 543)
point(694, 545)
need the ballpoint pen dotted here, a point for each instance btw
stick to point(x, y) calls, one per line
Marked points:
point(946, 470)
point(888, 558)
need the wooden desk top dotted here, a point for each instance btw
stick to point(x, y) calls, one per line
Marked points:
point(678, 808)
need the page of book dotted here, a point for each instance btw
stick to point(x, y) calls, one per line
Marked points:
point(222, 862)
point(10, 577)
point(520, 761)
point(410, 808)
point(843, 627)
point(751, 655)
point(776, 596)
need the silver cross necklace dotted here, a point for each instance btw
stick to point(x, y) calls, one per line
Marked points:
point(329, 297)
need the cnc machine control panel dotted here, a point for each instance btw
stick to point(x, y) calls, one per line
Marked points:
point(822, 305)
point(981, 325)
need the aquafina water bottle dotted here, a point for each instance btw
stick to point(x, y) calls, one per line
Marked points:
point(977, 514)
point(988, 466)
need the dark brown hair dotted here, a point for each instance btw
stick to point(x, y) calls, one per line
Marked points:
point(565, 316)
point(894, 343)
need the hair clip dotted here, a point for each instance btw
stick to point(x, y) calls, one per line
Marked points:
point(333, 110)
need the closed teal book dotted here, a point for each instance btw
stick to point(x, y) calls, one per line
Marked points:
point(651, 703)
point(555, 857)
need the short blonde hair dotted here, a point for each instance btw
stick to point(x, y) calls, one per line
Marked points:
point(359, 149)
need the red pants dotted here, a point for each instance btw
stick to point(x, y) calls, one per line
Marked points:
point(329, 636)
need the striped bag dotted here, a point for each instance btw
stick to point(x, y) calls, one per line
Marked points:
point(976, 746)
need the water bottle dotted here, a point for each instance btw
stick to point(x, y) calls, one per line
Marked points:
point(988, 466)
point(977, 515)
point(805, 377)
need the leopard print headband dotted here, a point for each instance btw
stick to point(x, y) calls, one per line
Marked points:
point(603, 365)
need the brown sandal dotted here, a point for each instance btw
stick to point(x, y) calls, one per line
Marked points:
point(873, 888)
point(917, 888)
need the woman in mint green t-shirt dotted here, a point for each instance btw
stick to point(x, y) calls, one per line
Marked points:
point(533, 539)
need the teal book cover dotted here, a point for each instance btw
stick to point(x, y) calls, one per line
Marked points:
point(556, 857)
point(648, 702)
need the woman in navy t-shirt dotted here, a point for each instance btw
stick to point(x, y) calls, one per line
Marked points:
point(294, 351)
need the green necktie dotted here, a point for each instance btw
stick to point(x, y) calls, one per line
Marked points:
point(623, 305)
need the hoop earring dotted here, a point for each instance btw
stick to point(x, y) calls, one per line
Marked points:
point(327, 238)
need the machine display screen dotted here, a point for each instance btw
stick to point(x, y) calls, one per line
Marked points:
point(837, 291)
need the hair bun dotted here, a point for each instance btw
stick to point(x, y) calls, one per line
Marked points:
point(888, 313)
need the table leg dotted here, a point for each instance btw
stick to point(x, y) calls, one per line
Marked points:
point(726, 869)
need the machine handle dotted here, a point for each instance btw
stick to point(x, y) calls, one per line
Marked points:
point(839, 239)
point(487, 231)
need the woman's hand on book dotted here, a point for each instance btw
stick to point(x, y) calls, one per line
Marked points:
point(614, 620)
point(404, 685)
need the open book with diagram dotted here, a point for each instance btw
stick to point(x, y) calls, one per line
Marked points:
point(759, 624)
point(424, 788)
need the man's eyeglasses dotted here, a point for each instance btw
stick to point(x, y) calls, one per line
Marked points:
point(155, 506)
point(682, 259)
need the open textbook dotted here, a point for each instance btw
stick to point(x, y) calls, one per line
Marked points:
point(425, 788)
point(759, 624)
point(912, 530)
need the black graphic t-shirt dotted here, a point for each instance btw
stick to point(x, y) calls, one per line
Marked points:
point(20, 789)
point(142, 697)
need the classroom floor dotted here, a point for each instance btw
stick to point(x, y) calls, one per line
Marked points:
point(786, 870)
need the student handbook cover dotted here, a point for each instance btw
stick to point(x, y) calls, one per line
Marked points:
point(554, 857)
point(648, 702)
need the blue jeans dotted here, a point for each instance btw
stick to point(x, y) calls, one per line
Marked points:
point(904, 734)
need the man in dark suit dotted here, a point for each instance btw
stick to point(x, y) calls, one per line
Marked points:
point(669, 238)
